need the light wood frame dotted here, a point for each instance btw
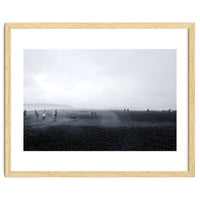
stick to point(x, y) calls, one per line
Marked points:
point(191, 61)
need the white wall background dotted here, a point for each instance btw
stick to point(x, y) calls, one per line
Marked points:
point(99, 11)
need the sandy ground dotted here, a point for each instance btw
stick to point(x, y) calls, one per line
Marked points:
point(76, 130)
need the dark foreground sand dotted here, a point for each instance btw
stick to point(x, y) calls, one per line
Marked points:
point(109, 131)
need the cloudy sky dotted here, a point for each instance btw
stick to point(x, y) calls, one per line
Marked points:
point(134, 79)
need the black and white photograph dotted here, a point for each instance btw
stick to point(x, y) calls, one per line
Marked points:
point(100, 100)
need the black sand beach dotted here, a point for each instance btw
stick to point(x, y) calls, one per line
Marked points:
point(76, 130)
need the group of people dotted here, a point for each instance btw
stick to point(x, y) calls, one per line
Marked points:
point(54, 115)
point(43, 115)
point(93, 114)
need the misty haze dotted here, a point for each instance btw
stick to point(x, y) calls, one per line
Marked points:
point(100, 100)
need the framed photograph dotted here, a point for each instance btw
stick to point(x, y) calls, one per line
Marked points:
point(99, 99)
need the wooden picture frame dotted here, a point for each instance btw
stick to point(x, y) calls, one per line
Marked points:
point(191, 94)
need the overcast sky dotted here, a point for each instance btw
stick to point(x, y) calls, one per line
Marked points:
point(134, 79)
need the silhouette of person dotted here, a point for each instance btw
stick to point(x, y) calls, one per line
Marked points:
point(36, 116)
point(43, 115)
point(55, 115)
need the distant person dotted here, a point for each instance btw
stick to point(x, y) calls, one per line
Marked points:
point(92, 114)
point(24, 113)
point(148, 110)
point(37, 116)
point(55, 115)
point(127, 109)
point(95, 113)
point(43, 115)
